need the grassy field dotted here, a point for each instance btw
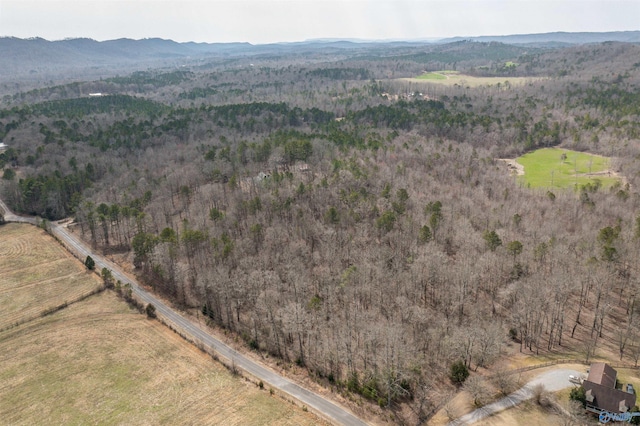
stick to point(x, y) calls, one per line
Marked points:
point(525, 414)
point(37, 274)
point(99, 362)
point(432, 76)
point(454, 78)
point(561, 168)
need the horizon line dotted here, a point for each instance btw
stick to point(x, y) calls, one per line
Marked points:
point(321, 39)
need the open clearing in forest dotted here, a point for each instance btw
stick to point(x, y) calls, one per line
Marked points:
point(453, 78)
point(98, 361)
point(432, 76)
point(37, 275)
point(562, 168)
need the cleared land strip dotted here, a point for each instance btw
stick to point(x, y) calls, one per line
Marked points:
point(313, 401)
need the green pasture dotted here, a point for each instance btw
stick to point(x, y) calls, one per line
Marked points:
point(453, 78)
point(562, 168)
point(432, 76)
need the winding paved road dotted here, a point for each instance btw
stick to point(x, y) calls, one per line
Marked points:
point(315, 402)
point(552, 381)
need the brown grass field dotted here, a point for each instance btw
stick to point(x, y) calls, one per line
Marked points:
point(99, 362)
point(526, 414)
point(37, 275)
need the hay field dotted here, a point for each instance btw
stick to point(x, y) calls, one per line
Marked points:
point(37, 274)
point(99, 362)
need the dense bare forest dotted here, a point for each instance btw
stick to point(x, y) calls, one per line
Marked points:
point(360, 225)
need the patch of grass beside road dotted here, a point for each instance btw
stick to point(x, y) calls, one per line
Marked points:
point(98, 361)
point(37, 275)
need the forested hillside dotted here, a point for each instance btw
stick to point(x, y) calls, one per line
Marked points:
point(356, 224)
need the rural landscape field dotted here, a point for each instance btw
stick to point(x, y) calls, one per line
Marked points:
point(403, 231)
point(561, 168)
point(99, 361)
point(37, 276)
point(455, 78)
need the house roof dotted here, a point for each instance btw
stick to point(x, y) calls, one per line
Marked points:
point(602, 374)
point(601, 392)
point(608, 399)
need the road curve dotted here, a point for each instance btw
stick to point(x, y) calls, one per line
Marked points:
point(552, 381)
point(313, 401)
point(9, 216)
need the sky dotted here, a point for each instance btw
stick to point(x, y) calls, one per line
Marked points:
point(269, 21)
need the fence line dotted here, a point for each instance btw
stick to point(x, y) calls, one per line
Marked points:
point(566, 361)
point(545, 364)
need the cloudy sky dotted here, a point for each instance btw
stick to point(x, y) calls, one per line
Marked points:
point(266, 21)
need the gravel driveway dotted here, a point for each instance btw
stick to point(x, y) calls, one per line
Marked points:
point(553, 381)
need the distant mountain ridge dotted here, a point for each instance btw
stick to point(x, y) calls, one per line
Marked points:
point(560, 38)
point(154, 48)
point(89, 49)
point(36, 59)
point(92, 52)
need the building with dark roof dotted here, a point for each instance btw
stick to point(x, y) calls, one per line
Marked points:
point(601, 392)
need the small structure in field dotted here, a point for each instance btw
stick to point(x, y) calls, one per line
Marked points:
point(602, 394)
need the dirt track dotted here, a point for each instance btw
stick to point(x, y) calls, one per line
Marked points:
point(514, 167)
